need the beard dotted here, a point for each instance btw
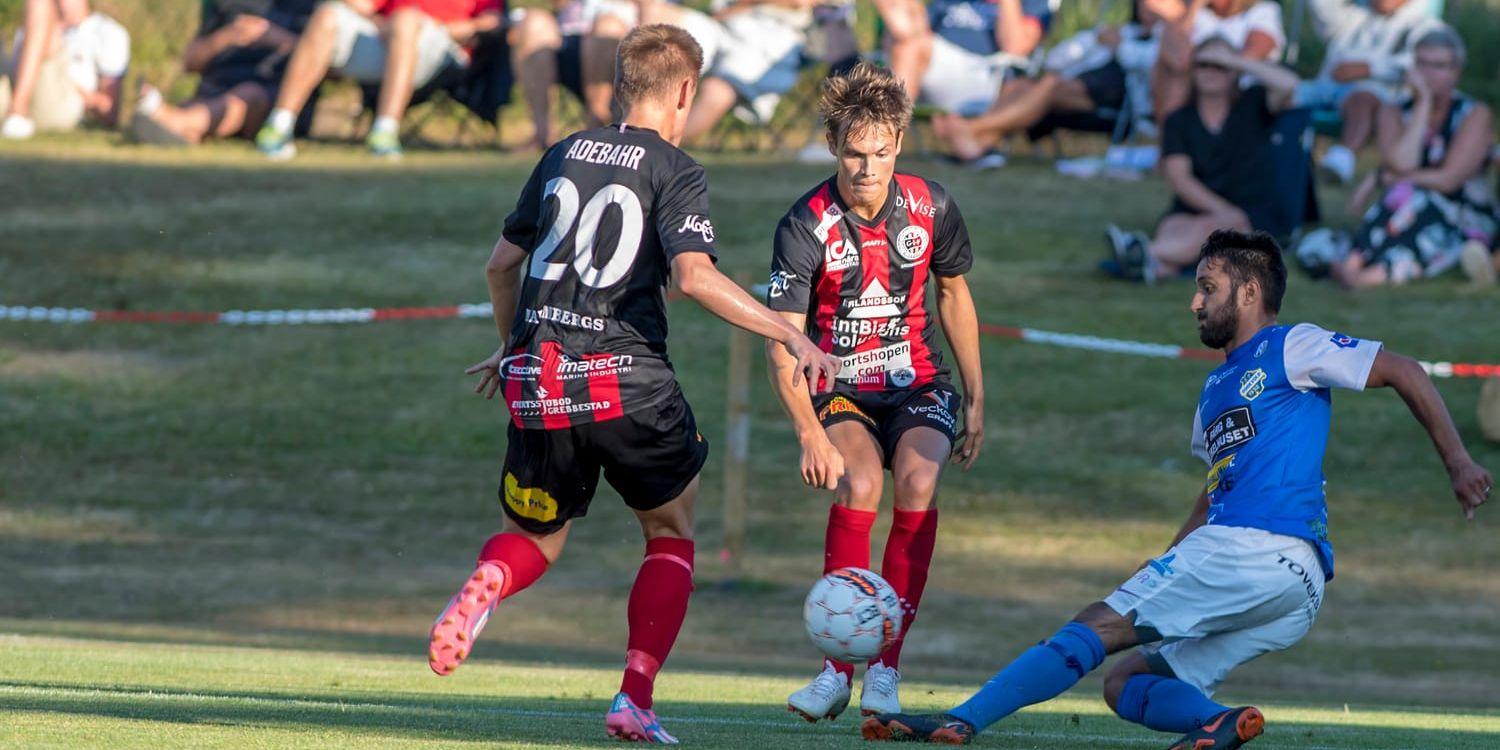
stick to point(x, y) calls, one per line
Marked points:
point(1216, 328)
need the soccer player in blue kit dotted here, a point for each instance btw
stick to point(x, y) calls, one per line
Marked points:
point(1245, 575)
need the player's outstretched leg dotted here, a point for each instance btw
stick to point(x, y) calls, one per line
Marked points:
point(508, 563)
point(1041, 673)
point(658, 606)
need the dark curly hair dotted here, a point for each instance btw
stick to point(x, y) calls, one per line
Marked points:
point(1246, 256)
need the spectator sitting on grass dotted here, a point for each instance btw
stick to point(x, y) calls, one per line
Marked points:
point(67, 67)
point(240, 54)
point(401, 44)
point(1251, 26)
point(1434, 198)
point(1369, 50)
point(1216, 157)
point(760, 59)
point(1108, 60)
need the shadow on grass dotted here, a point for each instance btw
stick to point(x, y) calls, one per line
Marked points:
point(572, 721)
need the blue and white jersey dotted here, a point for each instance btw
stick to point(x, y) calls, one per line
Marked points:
point(1262, 427)
point(970, 24)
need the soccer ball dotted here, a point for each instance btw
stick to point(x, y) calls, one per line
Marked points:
point(852, 615)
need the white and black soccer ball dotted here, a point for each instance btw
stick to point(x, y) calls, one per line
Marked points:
point(852, 615)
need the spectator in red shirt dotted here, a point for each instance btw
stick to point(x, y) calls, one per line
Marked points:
point(401, 44)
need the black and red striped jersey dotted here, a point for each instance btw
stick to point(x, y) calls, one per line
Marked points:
point(603, 215)
point(863, 284)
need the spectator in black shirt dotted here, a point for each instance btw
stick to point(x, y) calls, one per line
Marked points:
point(240, 52)
point(1216, 157)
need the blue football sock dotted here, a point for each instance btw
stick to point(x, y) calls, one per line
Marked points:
point(1165, 704)
point(1041, 673)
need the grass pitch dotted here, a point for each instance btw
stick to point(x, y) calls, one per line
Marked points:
point(70, 693)
point(239, 536)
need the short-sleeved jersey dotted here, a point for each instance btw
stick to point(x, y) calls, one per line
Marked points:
point(603, 215)
point(863, 284)
point(1262, 427)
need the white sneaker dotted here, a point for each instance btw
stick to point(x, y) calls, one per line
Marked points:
point(17, 128)
point(1478, 263)
point(824, 698)
point(1338, 161)
point(879, 694)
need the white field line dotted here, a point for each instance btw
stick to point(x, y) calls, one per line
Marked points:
point(792, 725)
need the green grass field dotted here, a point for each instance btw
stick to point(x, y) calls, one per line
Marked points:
point(215, 536)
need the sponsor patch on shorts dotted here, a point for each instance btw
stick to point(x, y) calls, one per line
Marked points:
point(842, 405)
point(529, 502)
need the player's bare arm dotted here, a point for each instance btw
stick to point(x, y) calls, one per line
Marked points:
point(1471, 482)
point(502, 276)
point(961, 327)
point(822, 464)
point(699, 279)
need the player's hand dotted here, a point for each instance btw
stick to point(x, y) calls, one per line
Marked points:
point(966, 448)
point(814, 365)
point(1471, 485)
point(822, 464)
point(489, 372)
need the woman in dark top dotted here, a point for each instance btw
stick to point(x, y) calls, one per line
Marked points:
point(239, 53)
point(1216, 157)
point(1436, 204)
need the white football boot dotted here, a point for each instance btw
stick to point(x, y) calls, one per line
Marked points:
point(824, 698)
point(880, 692)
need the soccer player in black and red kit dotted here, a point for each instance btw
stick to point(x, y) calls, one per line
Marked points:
point(607, 217)
point(852, 263)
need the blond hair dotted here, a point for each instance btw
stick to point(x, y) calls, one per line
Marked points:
point(652, 59)
point(868, 96)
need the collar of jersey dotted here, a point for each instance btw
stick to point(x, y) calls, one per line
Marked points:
point(1239, 351)
point(892, 191)
point(621, 127)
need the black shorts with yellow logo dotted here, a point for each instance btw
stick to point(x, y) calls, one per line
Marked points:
point(889, 414)
point(649, 456)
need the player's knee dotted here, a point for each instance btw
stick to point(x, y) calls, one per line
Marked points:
point(323, 21)
point(860, 489)
point(406, 22)
point(1114, 685)
point(1114, 631)
point(917, 489)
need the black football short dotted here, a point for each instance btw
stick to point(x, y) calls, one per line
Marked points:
point(649, 456)
point(889, 414)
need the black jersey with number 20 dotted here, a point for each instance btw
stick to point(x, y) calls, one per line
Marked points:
point(603, 215)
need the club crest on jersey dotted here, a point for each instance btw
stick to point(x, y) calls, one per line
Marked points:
point(1343, 341)
point(1252, 384)
point(699, 224)
point(903, 377)
point(840, 255)
point(912, 243)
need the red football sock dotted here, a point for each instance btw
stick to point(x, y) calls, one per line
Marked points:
point(847, 545)
point(658, 605)
point(908, 553)
point(520, 559)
